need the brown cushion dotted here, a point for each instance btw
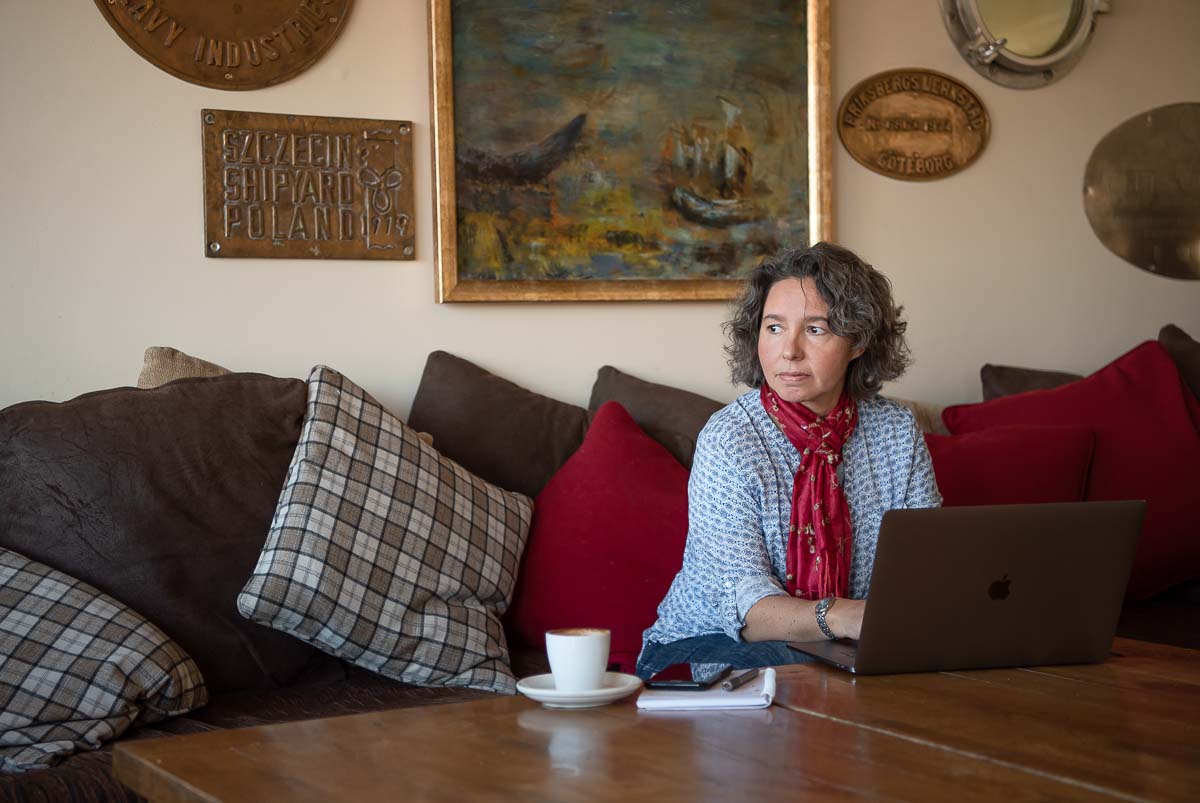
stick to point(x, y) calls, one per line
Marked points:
point(671, 416)
point(1185, 352)
point(162, 364)
point(507, 435)
point(1007, 380)
point(162, 499)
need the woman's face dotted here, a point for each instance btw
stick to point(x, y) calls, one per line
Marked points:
point(801, 359)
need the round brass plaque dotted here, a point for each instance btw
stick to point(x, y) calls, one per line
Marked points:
point(914, 125)
point(1141, 190)
point(238, 45)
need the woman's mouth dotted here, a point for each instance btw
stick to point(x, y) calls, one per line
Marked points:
point(792, 376)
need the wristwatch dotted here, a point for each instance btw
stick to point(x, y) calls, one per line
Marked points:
point(822, 608)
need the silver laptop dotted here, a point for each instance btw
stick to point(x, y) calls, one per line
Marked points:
point(992, 586)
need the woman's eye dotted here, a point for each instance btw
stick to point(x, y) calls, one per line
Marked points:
point(816, 330)
point(774, 328)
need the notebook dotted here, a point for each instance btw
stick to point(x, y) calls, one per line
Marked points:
point(992, 586)
point(758, 693)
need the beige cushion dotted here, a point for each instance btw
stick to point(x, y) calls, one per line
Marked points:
point(929, 416)
point(162, 364)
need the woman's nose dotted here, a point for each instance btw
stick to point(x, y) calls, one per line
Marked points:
point(792, 350)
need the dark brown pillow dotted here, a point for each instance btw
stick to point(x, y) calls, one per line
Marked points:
point(162, 499)
point(1007, 380)
point(498, 430)
point(671, 416)
point(1185, 352)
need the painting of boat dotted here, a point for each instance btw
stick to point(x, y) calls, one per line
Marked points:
point(708, 174)
point(628, 141)
point(716, 212)
point(527, 166)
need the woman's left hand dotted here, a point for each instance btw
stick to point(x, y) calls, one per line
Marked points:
point(845, 617)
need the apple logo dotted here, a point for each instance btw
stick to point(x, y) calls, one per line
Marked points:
point(999, 588)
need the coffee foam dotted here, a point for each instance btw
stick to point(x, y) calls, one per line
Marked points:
point(577, 631)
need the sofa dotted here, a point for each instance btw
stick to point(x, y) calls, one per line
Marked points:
point(160, 498)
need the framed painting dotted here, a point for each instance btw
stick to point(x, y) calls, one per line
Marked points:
point(625, 151)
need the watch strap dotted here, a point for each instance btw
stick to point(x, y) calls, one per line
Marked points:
point(821, 609)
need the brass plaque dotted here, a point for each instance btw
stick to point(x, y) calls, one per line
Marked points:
point(914, 125)
point(287, 185)
point(1141, 190)
point(241, 45)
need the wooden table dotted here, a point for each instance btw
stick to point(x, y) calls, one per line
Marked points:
point(1127, 729)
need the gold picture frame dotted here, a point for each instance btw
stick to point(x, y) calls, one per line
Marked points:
point(453, 286)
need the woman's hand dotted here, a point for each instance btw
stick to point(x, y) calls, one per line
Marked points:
point(845, 617)
point(782, 618)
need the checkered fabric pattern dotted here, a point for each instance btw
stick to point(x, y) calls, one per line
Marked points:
point(77, 667)
point(386, 554)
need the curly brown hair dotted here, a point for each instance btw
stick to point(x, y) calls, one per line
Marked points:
point(860, 308)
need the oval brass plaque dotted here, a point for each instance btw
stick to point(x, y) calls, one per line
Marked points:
point(914, 125)
point(246, 45)
point(1141, 190)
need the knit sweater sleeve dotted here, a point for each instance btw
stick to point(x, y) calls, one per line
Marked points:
point(725, 532)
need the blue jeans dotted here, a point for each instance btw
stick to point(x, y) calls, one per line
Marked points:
point(716, 648)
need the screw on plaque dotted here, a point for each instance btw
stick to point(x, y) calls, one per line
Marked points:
point(210, 118)
point(214, 246)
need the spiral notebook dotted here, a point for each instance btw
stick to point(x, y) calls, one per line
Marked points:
point(758, 693)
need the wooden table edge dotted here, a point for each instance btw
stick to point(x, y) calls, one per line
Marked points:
point(143, 777)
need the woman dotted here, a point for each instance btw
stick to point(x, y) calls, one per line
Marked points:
point(790, 482)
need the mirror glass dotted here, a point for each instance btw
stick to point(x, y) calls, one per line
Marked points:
point(1033, 28)
point(1022, 44)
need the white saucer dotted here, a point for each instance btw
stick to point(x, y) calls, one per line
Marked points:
point(615, 686)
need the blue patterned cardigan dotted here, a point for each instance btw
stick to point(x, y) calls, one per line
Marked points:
point(740, 499)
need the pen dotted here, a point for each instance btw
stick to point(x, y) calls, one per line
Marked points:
point(740, 680)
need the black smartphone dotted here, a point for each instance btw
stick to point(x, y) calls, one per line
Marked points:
point(683, 677)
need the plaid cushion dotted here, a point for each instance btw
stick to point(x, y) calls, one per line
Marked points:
point(387, 554)
point(77, 667)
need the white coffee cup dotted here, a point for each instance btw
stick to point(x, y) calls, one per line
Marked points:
point(578, 657)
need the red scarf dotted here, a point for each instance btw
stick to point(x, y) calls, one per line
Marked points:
point(819, 536)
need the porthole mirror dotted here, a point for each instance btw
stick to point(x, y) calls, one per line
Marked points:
point(1022, 44)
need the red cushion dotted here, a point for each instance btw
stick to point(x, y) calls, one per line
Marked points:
point(1012, 465)
point(1146, 448)
point(607, 539)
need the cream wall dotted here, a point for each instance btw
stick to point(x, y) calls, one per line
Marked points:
point(101, 222)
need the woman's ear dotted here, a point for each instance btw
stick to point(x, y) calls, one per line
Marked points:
point(856, 353)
